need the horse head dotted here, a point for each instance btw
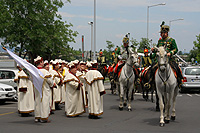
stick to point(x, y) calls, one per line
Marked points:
point(162, 58)
point(133, 55)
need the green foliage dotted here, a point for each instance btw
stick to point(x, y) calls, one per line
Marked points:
point(195, 53)
point(35, 27)
point(134, 43)
point(144, 43)
point(110, 47)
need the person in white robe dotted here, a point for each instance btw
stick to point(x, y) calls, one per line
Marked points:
point(26, 94)
point(16, 80)
point(81, 75)
point(57, 89)
point(74, 102)
point(42, 105)
point(95, 89)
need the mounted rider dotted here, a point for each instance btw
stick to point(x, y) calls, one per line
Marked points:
point(171, 49)
point(146, 60)
point(101, 60)
point(123, 53)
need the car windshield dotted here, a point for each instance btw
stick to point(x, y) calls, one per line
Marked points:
point(7, 75)
point(192, 71)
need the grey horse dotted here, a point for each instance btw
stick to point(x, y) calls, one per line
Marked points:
point(126, 79)
point(166, 85)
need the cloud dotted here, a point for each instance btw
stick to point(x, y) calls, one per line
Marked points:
point(80, 27)
point(119, 36)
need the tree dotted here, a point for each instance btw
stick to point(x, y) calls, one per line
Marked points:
point(195, 53)
point(110, 47)
point(134, 43)
point(144, 43)
point(34, 27)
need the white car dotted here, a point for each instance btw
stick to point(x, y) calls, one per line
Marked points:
point(7, 77)
point(7, 92)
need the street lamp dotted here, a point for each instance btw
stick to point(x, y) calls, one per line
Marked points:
point(173, 21)
point(91, 23)
point(94, 29)
point(148, 17)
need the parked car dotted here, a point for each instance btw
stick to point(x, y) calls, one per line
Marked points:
point(7, 92)
point(191, 81)
point(7, 77)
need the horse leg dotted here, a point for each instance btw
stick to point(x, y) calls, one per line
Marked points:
point(121, 98)
point(157, 102)
point(162, 123)
point(152, 91)
point(125, 97)
point(129, 98)
point(167, 107)
point(173, 115)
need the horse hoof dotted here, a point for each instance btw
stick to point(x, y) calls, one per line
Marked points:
point(173, 118)
point(166, 121)
point(125, 104)
point(120, 108)
point(157, 109)
point(162, 124)
point(129, 110)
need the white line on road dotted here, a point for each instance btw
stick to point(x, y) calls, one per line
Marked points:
point(197, 95)
point(189, 95)
point(8, 107)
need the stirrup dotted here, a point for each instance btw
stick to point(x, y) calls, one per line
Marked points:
point(137, 81)
point(147, 85)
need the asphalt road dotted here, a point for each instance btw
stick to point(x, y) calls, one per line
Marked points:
point(142, 119)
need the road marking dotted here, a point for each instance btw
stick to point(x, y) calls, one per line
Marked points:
point(8, 107)
point(7, 113)
point(189, 95)
point(179, 95)
point(197, 95)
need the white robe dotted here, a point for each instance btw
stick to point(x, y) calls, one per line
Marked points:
point(56, 92)
point(42, 106)
point(94, 87)
point(26, 99)
point(81, 76)
point(74, 103)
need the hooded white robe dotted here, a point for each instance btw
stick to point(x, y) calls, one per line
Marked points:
point(26, 98)
point(95, 89)
point(42, 106)
point(74, 102)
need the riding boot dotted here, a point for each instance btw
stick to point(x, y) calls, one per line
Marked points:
point(179, 73)
point(115, 76)
point(152, 75)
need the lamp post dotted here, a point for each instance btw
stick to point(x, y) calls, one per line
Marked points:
point(94, 29)
point(173, 21)
point(91, 23)
point(148, 17)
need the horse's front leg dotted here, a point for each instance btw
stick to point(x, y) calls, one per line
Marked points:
point(121, 97)
point(167, 107)
point(162, 123)
point(173, 115)
point(129, 98)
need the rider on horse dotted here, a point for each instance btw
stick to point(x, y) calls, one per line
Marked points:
point(101, 60)
point(122, 53)
point(171, 49)
point(146, 60)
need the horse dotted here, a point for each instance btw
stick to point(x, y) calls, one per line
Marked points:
point(110, 75)
point(166, 86)
point(103, 70)
point(126, 80)
point(145, 76)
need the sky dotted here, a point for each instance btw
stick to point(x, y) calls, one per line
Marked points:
point(115, 18)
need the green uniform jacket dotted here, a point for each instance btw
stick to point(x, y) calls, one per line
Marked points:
point(171, 46)
point(146, 61)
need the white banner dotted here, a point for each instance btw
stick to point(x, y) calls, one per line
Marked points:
point(36, 74)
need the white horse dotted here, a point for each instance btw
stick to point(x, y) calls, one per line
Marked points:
point(166, 85)
point(126, 80)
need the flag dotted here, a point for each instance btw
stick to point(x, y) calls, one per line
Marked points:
point(35, 74)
